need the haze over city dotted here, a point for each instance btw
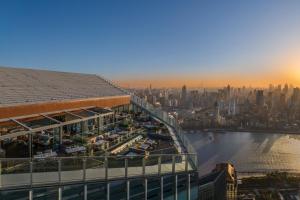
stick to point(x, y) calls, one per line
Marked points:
point(150, 99)
point(197, 43)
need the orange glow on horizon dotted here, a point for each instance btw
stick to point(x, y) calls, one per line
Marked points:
point(290, 75)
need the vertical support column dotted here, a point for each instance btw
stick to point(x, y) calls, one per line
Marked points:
point(59, 193)
point(98, 122)
point(128, 108)
point(173, 164)
point(159, 165)
point(128, 189)
point(31, 171)
point(162, 188)
point(114, 118)
point(106, 168)
point(85, 192)
point(101, 123)
point(188, 187)
point(176, 185)
point(84, 127)
point(30, 195)
point(186, 163)
point(126, 168)
point(146, 188)
point(108, 191)
point(84, 169)
point(30, 144)
point(60, 135)
point(59, 170)
point(144, 166)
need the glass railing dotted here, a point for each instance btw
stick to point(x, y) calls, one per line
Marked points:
point(35, 172)
point(163, 116)
point(169, 120)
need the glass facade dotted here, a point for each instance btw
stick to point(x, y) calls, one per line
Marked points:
point(169, 187)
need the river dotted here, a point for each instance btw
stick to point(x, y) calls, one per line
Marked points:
point(248, 152)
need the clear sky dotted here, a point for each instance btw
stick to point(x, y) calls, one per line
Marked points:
point(163, 42)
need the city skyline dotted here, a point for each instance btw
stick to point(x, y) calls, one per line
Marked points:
point(216, 82)
point(194, 43)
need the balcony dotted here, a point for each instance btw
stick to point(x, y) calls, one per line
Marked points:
point(22, 172)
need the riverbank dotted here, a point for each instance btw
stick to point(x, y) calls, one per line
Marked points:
point(277, 185)
point(242, 175)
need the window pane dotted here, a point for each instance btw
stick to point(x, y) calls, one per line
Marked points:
point(47, 193)
point(96, 191)
point(73, 192)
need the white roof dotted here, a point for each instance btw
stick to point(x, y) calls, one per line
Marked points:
point(22, 86)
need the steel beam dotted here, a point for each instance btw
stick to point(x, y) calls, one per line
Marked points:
point(52, 119)
point(74, 114)
point(21, 124)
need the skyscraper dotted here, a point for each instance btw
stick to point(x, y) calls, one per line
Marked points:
point(260, 101)
point(184, 96)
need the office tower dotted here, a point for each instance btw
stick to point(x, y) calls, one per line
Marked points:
point(260, 98)
point(220, 184)
point(184, 96)
point(286, 89)
point(295, 97)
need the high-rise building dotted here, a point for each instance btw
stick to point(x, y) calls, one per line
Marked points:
point(184, 96)
point(296, 97)
point(220, 184)
point(260, 101)
point(285, 89)
point(231, 179)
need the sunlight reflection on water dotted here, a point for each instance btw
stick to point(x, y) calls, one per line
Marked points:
point(249, 152)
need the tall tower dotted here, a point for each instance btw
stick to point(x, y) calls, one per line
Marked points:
point(260, 100)
point(184, 95)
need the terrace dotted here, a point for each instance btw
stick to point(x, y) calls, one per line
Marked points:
point(44, 131)
point(86, 143)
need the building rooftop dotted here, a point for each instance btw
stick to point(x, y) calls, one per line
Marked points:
point(26, 86)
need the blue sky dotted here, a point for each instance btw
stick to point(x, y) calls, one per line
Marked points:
point(128, 39)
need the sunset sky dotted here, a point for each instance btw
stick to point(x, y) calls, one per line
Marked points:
point(164, 43)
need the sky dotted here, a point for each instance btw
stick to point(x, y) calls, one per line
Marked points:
point(164, 43)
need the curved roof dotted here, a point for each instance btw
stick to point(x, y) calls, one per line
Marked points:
point(23, 86)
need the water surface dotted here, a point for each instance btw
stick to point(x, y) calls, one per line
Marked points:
point(249, 152)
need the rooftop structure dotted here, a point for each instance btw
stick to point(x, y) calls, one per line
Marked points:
point(80, 135)
point(28, 91)
point(221, 183)
point(23, 86)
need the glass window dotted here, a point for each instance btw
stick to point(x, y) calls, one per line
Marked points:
point(137, 189)
point(96, 191)
point(46, 193)
point(154, 189)
point(194, 186)
point(182, 186)
point(118, 190)
point(73, 192)
point(14, 194)
point(169, 187)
